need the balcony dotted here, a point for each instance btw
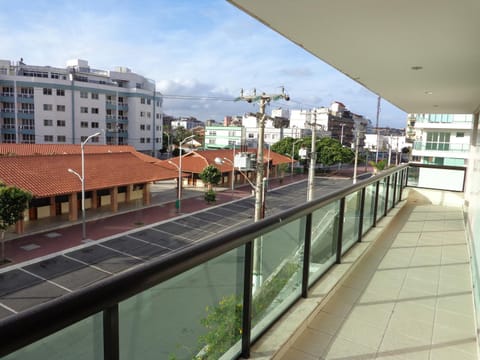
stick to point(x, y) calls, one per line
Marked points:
point(350, 271)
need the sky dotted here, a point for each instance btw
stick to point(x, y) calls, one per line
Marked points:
point(200, 53)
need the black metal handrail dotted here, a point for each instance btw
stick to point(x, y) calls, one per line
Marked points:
point(33, 324)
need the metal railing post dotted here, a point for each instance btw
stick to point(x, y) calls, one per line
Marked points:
point(362, 212)
point(306, 255)
point(375, 207)
point(341, 215)
point(111, 342)
point(247, 300)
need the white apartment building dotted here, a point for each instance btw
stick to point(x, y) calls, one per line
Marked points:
point(441, 139)
point(43, 104)
point(224, 137)
point(187, 123)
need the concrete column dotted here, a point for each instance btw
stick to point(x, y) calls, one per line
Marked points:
point(53, 208)
point(72, 207)
point(94, 199)
point(146, 194)
point(114, 199)
point(128, 194)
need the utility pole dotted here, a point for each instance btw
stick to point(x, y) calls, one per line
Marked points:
point(263, 100)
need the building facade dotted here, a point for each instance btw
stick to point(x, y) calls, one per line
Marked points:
point(441, 139)
point(224, 137)
point(48, 105)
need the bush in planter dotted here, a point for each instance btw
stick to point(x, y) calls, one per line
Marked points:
point(210, 196)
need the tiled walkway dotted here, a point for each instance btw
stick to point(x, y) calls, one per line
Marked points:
point(410, 297)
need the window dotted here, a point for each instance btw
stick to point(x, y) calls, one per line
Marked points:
point(149, 101)
point(149, 114)
point(83, 94)
point(94, 96)
point(120, 99)
point(61, 123)
point(47, 107)
point(47, 122)
point(84, 110)
point(60, 92)
point(94, 110)
point(48, 138)
point(94, 125)
point(26, 92)
point(9, 138)
point(142, 127)
point(61, 138)
point(438, 141)
point(212, 132)
point(251, 136)
point(47, 91)
point(148, 127)
point(142, 140)
point(28, 139)
point(9, 123)
point(142, 113)
point(142, 100)
point(84, 124)
point(148, 140)
point(61, 108)
point(460, 134)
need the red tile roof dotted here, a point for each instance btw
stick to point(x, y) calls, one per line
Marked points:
point(196, 161)
point(43, 170)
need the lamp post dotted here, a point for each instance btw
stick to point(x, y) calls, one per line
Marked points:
point(356, 159)
point(220, 161)
point(82, 181)
point(341, 134)
point(179, 201)
point(293, 152)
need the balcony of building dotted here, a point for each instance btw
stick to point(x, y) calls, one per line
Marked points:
point(373, 270)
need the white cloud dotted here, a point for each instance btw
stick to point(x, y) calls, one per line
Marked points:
point(197, 48)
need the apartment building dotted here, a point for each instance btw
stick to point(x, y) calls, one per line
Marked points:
point(48, 105)
point(441, 139)
point(224, 137)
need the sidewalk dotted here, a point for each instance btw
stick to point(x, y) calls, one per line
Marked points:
point(47, 236)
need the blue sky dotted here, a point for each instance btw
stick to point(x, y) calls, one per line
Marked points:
point(206, 49)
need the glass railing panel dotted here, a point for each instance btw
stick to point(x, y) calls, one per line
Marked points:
point(80, 341)
point(197, 313)
point(369, 207)
point(382, 197)
point(391, 190)
point(351, 223)
point(399, 185)
point(323, 240)
point(277, 273)
point(412, 178)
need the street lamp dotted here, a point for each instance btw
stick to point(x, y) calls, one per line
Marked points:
point(293, 152)
point(220, 161)
point(82, 181)
point(341, 134)
point(179, 202)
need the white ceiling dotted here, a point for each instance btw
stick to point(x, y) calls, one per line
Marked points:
point(377, 42)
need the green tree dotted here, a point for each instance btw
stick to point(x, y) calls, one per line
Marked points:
point(13, 202)
point(285, 146)
point(210, 176)
point(332, 152)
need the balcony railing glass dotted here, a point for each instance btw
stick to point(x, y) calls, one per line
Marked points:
point(211, 299)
